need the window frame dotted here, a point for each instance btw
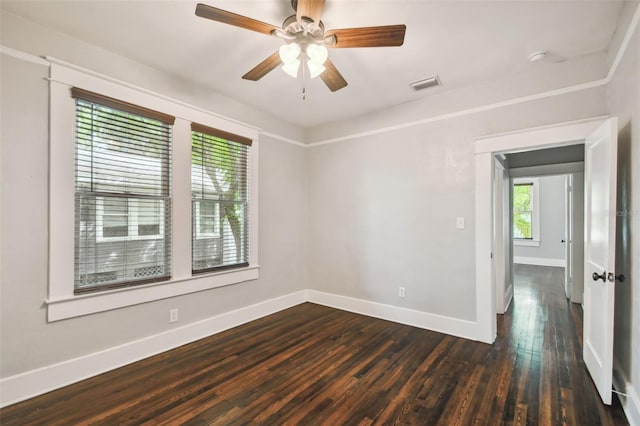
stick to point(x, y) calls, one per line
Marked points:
point(534, 241)
point(61, 302)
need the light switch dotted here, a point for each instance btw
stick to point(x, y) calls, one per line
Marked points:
point(460, 223)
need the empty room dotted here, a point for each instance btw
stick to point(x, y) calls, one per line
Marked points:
point(331, 212)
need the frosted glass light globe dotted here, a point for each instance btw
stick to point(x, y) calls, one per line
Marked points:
point(317, 53)
point(289, 52)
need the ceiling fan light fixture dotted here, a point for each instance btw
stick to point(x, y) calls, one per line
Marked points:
point(317, 53)
point(315, 69)
point(291, 68)
point(289, 53)
point(304, 31)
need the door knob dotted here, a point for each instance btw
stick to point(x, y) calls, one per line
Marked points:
point(612, 277)
point(597, 277)
point(562, 241)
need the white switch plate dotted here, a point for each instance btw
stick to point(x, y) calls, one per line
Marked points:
point(460, 223)
point(173, 315)
point(401, 291)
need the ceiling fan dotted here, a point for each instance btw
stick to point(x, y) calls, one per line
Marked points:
point(306, 41)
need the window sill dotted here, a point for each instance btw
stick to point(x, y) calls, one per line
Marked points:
point(526, 243)
point(75, 306)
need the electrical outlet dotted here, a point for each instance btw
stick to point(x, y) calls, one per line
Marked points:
point(401, 291)
point(173, 315)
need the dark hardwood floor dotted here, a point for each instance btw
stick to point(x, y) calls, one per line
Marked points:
point(312, 365)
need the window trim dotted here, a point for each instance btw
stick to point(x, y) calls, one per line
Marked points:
point(61, 302)
point(534, 241)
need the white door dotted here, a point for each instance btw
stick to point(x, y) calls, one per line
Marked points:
point(599, 277)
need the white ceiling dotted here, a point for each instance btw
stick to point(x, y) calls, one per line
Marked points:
point(463, 42)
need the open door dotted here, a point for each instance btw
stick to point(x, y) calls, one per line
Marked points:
point(600, 232)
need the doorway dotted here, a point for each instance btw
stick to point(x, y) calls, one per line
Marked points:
point(600, 139)
point(486, 150)
point(541, 238)
point(538, 218)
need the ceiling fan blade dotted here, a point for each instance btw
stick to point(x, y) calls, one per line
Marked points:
point(383, 36)
point(312, 9)
point(215, 14)
point(332, 77)
point(263, 68)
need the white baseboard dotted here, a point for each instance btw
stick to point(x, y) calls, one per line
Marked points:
point(631, 402)
point(36, 382)
point(540, 261)
point(425, 320)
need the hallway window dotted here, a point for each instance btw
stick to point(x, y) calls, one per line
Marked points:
point(525, 210)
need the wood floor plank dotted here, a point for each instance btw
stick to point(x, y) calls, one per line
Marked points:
point(314, 365)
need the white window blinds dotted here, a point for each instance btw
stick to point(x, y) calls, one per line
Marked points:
point(220, 199)
point(123, 193)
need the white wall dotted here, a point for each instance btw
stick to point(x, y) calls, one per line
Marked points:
point(383, 207)
point(551, 190)
point(624, 102)
point(28, 341)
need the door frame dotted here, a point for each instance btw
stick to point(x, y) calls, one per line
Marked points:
point(499, 223)
point(486, 148)
point(568, 234)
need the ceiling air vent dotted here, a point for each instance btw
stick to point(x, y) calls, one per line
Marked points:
point(426, 83)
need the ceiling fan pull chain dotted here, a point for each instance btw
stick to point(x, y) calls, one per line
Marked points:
point(303, 76)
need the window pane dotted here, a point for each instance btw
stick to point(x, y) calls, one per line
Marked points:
point(115, 221)
point(207, 225)
point(522, 225)
point(522, 211)
point(149, 229)
point(219, 184)
point(121, 239)
point(150, 217)
point(115, 230)
point(522, 197)
point(208, 219)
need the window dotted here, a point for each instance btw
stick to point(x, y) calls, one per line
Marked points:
point(120, 206)
point(220, 199)
point(122, 194)
point(526, 227)
point(522, 210)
